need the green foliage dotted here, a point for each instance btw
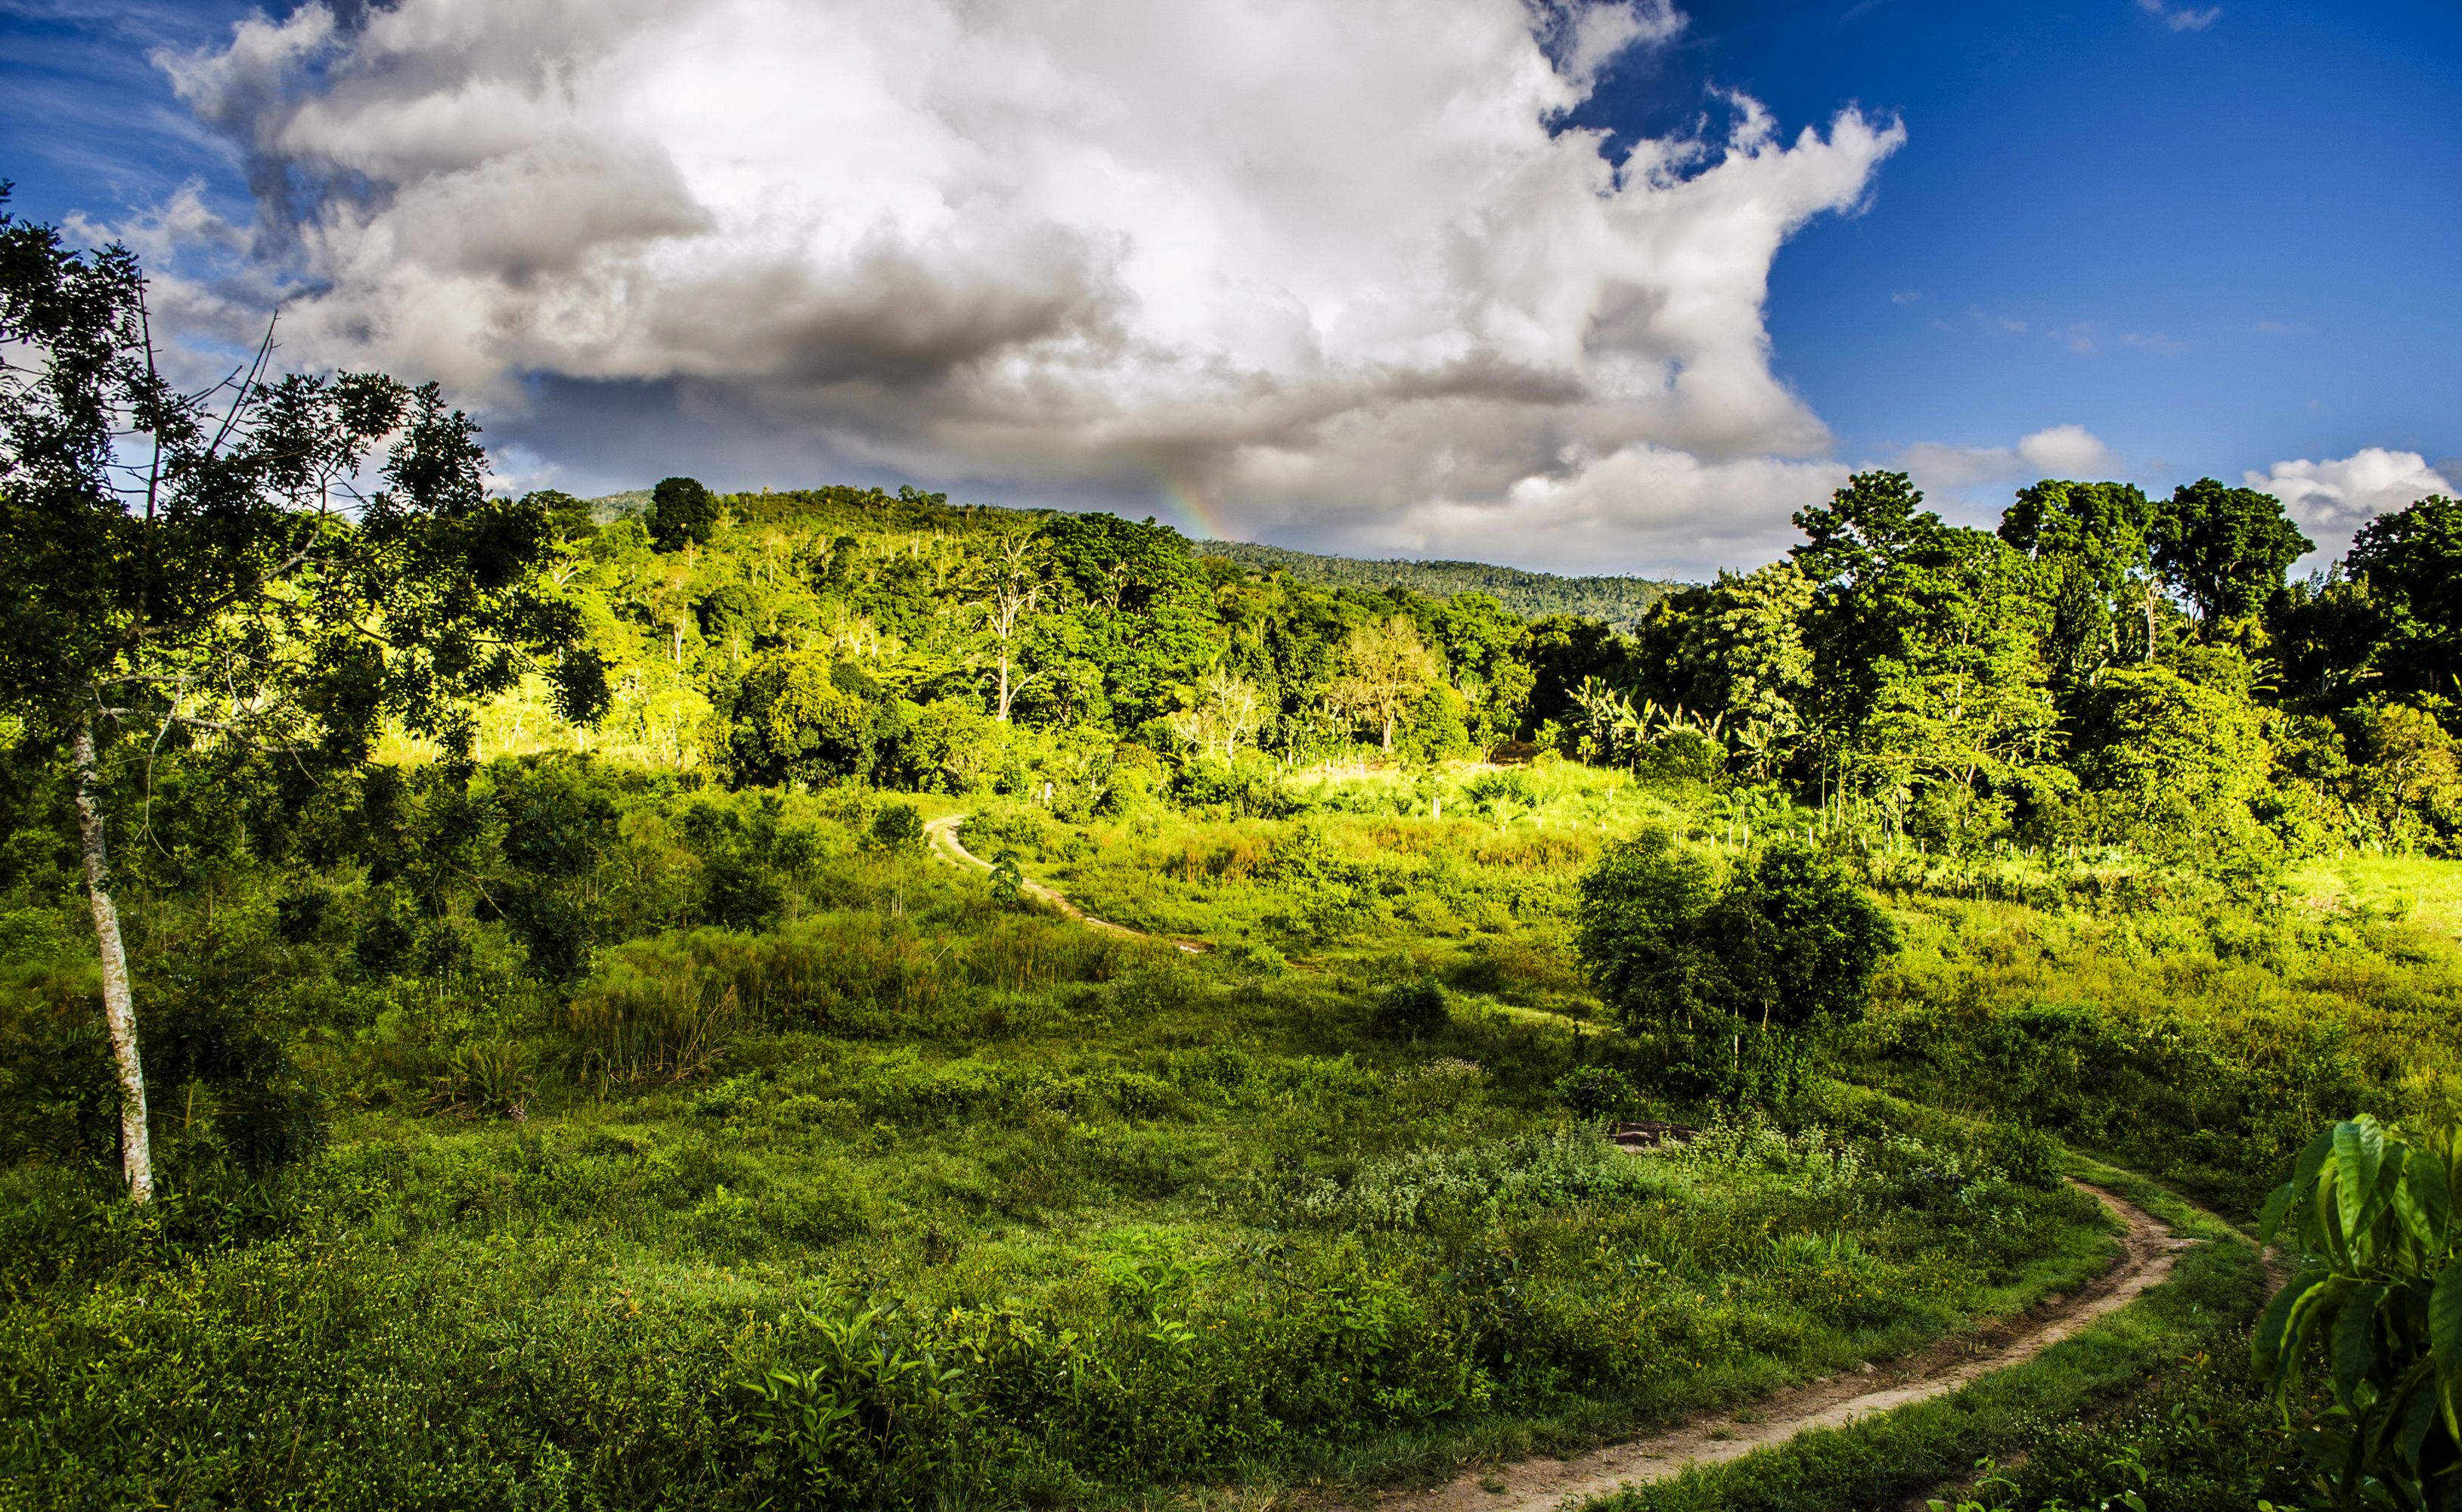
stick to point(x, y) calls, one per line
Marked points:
point(897, 827)
point(1619, 601)
point(682, 514)
point(2410, 561)
point(1787, 942)
point(1412, 1009)
point(2224, 549)
point(2379, 1298)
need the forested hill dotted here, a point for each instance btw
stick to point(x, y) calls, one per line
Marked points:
point(1620, 601)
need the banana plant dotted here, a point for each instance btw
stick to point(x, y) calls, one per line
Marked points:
point(2372, 1213)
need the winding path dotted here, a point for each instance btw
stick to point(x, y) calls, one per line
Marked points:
point(942, 836)
point(1540, 1484)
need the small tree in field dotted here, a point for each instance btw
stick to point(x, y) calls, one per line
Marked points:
point(204, 570)
point(1787, 942)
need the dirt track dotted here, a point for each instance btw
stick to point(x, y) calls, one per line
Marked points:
point(1538, 1484)
point(943, 834)
point(1541, 1483)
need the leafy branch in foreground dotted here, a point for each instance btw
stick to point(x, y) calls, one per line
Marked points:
point(2378, 1296)
point(204, 570)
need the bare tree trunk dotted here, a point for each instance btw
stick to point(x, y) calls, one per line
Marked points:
point(1004, 683)
point(118, 1003)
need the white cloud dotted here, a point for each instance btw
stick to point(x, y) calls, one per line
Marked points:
point(1338, 267)
point(2069, 451)
point(2332, 498)
point(2184, 19)
point(2057, 451)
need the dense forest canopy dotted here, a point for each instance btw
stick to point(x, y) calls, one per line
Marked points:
point(1620, 601)
point(2105, 668)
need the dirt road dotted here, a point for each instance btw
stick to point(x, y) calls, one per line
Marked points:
point(1538, 1485)
point(943, 836)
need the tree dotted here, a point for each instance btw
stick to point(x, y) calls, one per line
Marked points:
point(1009, 598)
point(681, 511)
point(1740, 661)
point(2091, 539)
point(2155, 740)
point(1227, 709)
point(1799, 940)
point(183, 578)
point(2224, 550)
point(1639, 932)
point(1385, 669)
point(2411, 562)
point(1789, 941)
point(1128, 598)
point(1562, 651)
point(1925, 641)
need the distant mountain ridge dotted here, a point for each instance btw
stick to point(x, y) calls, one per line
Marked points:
point(1620, 601)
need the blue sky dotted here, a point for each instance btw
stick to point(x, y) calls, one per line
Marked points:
point(2214, 239)
point(2266, 202)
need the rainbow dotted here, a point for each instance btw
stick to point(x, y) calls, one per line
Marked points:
point(1199, 518)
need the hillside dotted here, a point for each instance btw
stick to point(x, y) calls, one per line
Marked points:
point(1620, 601)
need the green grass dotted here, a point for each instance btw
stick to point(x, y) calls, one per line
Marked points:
point(1172, 1222)
point(1879, 1462)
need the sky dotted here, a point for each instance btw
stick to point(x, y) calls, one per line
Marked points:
point(1568, 285)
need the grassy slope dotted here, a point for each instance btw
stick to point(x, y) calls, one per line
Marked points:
point(1062, 1154)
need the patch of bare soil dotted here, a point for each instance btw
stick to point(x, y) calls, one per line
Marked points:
point(2146, 1254)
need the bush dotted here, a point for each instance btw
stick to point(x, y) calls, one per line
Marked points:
point(1413, 1008)
point(897, 827)
point(2028, 1156)
point(1596, 1092)
point(739, 894)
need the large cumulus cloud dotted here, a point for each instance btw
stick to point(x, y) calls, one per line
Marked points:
point(1338, 270)
point(2332, 498)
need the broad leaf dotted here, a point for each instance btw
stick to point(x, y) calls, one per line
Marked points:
point(2355, 1339)
point(2444, 1344)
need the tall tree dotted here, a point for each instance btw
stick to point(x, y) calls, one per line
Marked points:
point(2224, 550)
point(1924, 645)
point(2091, 541)
point(2411, 562)
point(1385, 669)
point(1130, 599)
point(209, 578)
point(1010, 591)
point(681, 512)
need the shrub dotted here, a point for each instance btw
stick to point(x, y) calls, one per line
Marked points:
point(1413, 1008)
point(739, 894)
point(2028, 1156)
point(897, 827)
point(1596, 1092)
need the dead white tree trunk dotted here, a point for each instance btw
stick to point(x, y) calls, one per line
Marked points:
point(118, 1002)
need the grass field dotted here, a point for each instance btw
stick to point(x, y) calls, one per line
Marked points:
point(910, 1195)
